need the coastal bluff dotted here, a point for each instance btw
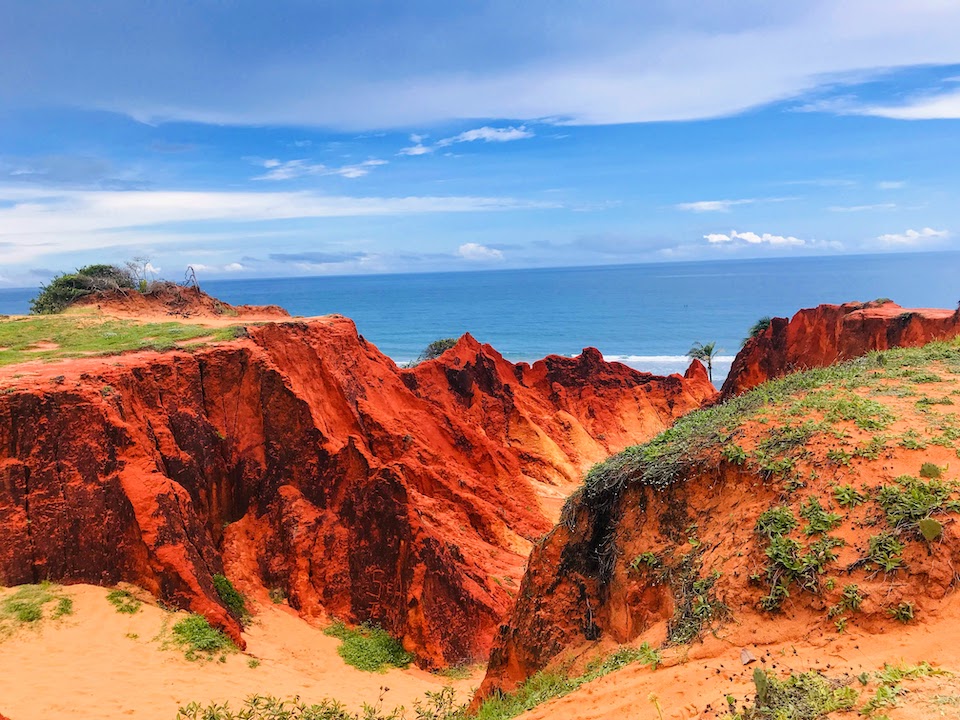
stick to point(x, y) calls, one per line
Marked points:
point(827, 334)
point(300, 461)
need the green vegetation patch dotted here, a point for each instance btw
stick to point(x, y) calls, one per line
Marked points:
point(547, 685)
point(67, 336)
point(370, 648)
point(438, 705)
point(806, 696)
point(231, 597)
point(686, 446)
point(199, 640)
point(911, 500)
point(60, 292)
point(124, 601)
point(28, 604)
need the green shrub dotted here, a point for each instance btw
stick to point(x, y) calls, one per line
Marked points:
point(370, 648)
point(775, 522)
point(848, 496)
point(26, 603)
point(234, 601)
point(819, 521)
point(904, 612)
point(884, 550)
point(65, 288)
point(931, 471)
point(199, 640)
point(123, 601)
point(807, 696)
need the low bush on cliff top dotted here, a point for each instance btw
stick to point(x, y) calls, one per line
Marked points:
point(53, 338)
point(65, 288)
point(369, 648)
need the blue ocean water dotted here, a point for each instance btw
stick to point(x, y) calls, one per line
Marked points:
point(645, 315)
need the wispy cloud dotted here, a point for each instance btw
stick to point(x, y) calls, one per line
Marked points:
point(489, 135)
point(418, 148)
point(914, 237)
point(292, 169)
point(862, 208)
point(35, 222)
point(891, 184)
point(479, 253)
point(703, 206)
point(752, 238)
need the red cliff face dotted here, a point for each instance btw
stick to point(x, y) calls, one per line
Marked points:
point(302, 459)
point(826, 334)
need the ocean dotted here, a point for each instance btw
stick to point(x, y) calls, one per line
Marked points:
point(646, 316)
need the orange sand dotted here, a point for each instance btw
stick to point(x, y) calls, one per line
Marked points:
point(86, 666)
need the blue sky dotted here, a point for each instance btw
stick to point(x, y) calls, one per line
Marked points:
point(299, 137)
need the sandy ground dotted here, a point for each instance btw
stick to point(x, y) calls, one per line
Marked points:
point(694, 683)
point(100, 664)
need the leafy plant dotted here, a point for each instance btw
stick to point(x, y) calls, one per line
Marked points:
point(234, 601)
point(370, 648)
point(199, 640)
point(26, 603)
point(819, 521)
point(931, 471)
point(123, 601)
point(848, 496)
point(904, 612)
point(807, 696)
point(775, 522)
point(884, 550)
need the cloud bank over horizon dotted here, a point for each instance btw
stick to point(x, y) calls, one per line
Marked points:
point(366, 137)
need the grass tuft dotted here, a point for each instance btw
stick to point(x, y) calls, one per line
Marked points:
point(123, 601)
point(199, 640)
point(370, 648)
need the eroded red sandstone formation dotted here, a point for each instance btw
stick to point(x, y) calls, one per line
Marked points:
point(826, 334)
point(301, 458)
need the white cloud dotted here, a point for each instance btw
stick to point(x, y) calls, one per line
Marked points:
point(291, 169)
point(702, 206)
point(418, 149)
point(862, 208)
point(479, 253)
point(752, 238)
point(35, 222)
point(891, 184)
point(914, 237)
point(944, 106)
point(488, 134)
point(233, 267)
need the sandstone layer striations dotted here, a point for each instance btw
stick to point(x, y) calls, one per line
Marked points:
point(301, 460)
point(826, 334)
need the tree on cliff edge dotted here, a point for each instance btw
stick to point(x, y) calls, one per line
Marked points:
point(705, 354)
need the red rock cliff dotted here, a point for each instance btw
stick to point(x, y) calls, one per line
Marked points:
point(826, 334)
point(301, 458)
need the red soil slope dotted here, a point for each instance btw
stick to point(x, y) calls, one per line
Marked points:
point(667, 558)
point(826, 334)
point(301, 458)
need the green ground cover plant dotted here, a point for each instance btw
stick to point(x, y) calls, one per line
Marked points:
point(123, 601)
point(79, 336)
point(32, 603)
point(370, 648)
point(234, 601)
point(804, 696)
point(199, 640)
